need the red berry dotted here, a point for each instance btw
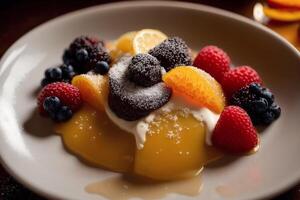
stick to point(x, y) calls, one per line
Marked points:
point(68, 94)
point(237, 78)
point(214, 61)
point(234, 132)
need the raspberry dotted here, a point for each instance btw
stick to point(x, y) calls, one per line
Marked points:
point(144, 70)
point(214, 61)
point(234, 132)
point(258, 102)
point(84, 52)
point(171, 53)
point(237, 78)
point(68, 94)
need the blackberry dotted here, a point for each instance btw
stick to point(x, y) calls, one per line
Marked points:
point(144, 70)
point(171, 53)
point(63, 73)
point(84, 52)
point(258, 102)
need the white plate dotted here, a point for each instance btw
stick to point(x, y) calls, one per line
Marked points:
point(37, 158)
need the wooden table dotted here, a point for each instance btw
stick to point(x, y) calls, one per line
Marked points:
point(19, 16)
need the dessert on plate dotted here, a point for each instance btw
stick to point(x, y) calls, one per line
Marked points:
point(147, 105)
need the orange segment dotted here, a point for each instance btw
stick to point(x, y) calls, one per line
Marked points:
point(125, 42)
point(95, 138)
point(282, 15)
point(196, 86)
point(291, 4)
point(93, 89)
point(175, 148)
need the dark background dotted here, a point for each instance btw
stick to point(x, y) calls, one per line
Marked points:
point(19, 16)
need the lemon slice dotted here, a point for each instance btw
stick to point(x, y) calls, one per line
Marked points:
point(125, 42)
point(146, 39)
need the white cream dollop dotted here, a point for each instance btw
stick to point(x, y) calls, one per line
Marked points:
point(139, 128)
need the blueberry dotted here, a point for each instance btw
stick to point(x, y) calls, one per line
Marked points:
point(268, 95)
point(268, 117)
point(276, 110)
point(67, 57)
point(255, 88)
point(67, 71)
point(101, 67)
point(45, 82)
point(48, 73)
point(82, 55)
point(63, 114)
point(56, 74)
point(260, 105)
point(51, 104)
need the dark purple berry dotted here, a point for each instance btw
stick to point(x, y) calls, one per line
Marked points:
point(255, 88)
point(268, 117)
point(63, 114)
point(101, 67)
point(82, 55)
point(45, 82)
point(67, 72)
point(48, 73)
point(84, 52)
point(267, 94)
point(144, 70)
point(51, 104)
point(55, 74)
point(258, 103)
point(67, 57)
point(276, 110)
point(259, 106)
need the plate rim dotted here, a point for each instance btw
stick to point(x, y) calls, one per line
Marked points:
point(4, 62)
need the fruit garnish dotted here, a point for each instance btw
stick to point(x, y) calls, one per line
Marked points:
point(197, 86)
point(172, 52)
point(258, 102)
point(84, 52)
point(281, 14)
point(91, 135)
point(101, 67)
point(214, 61)
point(68, 95)
point(175, 147)
point(125, 42)
point(234, 132)
point(93, 89)
point(63, 73)
point(130, 101)
point(284, 4)
point(237, 78)
point(146, 39)
point(144, 70)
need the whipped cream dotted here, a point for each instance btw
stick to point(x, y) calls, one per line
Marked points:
point(139, 128)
